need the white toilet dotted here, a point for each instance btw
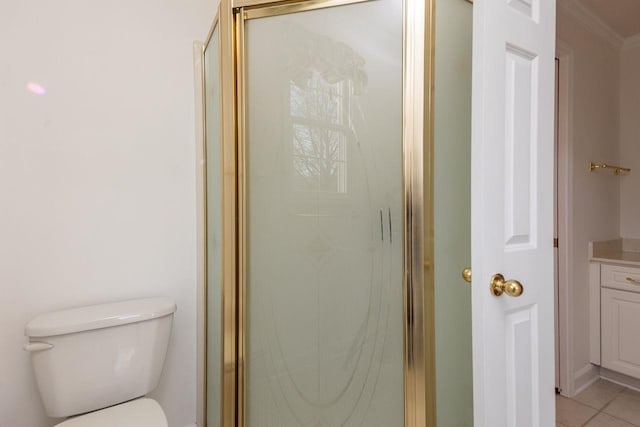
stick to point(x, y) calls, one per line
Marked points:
point(99, 361)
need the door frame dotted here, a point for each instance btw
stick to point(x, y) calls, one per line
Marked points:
point(564, 213)
point(419, 364)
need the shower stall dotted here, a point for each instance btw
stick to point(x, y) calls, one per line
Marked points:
point(315, 114)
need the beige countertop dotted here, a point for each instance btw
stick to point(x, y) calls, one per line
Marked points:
point(618, 251)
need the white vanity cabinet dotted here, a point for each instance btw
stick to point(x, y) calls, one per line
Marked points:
point(614, 298)
point(619, 301)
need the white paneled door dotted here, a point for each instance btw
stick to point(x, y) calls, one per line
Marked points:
point(512, 212)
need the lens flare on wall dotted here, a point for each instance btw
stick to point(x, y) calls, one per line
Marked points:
point(36, 88)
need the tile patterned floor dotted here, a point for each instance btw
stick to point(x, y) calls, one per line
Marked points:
point(603, 404)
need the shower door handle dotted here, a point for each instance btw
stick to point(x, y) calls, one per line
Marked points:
point(390, 228)
point(382, 225)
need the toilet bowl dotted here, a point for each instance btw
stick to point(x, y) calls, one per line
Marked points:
point(143, 412)
point(94, 365)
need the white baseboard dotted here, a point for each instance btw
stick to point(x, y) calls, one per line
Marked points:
point(585, 377)
point(622, 379)
point(591, 373)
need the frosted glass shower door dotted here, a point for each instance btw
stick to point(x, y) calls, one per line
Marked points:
point(324, 217)
point(213, 185)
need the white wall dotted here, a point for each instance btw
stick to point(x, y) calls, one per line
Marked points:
point(595, 197)
point(630, 138)
point(97, 177)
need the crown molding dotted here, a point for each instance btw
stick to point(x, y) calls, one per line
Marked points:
point(592, 22)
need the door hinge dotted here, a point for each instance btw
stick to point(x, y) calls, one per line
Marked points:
point(555, 242)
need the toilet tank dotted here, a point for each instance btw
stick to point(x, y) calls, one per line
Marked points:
point(88, 358)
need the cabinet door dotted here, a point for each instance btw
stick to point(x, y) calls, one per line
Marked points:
point(620, 325)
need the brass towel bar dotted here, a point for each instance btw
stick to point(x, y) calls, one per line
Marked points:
point(616, 169)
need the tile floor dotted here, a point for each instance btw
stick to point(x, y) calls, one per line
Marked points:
point(603, 404)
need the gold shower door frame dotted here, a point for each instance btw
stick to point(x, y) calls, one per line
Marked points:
point(419, 368)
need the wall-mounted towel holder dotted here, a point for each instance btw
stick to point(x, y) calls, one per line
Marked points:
point(616, 169)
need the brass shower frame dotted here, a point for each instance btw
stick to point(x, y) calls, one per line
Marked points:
point(418, 42)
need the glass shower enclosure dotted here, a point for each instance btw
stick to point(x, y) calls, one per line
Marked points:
point(315, 203)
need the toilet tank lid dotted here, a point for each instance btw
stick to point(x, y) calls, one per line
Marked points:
point(99, 316)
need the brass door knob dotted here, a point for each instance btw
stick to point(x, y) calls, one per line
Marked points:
point(498, 286)
point(466, 274)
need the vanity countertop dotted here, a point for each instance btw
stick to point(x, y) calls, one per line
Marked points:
point(618, 251)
